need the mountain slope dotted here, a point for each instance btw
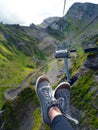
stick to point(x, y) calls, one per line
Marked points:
point(84, 94)
point(76, 19)
point(19, 56)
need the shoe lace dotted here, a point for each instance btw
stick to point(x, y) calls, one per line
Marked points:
point(72, 119)
point(50, 100)
point(46, 93)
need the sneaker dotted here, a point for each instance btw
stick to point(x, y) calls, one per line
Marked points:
point(45, 95)
point(62, 93)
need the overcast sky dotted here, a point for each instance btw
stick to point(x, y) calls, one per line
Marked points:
point(25, 12)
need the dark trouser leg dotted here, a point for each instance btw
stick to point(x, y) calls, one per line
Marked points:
point(61, 123)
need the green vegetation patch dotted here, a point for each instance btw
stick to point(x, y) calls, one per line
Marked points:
point(16, 109)
point(13, 71)
point(77, 62)
point(37, 120)
point(85, 99)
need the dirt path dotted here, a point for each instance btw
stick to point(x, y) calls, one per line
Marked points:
point(56, 70)
point(53, 72)
point(11, 94)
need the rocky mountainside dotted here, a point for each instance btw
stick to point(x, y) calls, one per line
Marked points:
point(15, 35)
point(47, 22)
point(82, 12)
point(77, 17)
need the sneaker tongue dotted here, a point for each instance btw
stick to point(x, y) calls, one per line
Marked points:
point(62, 104)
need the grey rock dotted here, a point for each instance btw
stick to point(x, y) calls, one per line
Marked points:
point(92, 62)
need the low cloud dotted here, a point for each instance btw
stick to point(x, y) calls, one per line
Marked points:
point(11, 19)
point(25, 12)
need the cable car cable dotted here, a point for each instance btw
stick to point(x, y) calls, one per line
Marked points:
point(86, 26)
point(64, 7)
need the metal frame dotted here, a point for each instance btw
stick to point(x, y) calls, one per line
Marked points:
point(64, 54)
point(61, 53)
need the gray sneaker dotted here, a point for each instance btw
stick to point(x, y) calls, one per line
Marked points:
point(62, 93)
point(45, 95)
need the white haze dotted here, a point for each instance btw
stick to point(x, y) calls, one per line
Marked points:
point(25, 12)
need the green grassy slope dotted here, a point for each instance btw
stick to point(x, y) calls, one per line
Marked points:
point(26, 104)
point(16, 62)
point(85, 98)
point(84, 93)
